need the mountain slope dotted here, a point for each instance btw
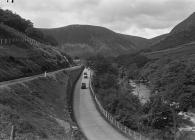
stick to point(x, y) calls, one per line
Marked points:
point(157, 39)
point(139, 42)
point(182, 33)
point(186, 25)
point(24, 58)
point(87, 40)
point(185, 50)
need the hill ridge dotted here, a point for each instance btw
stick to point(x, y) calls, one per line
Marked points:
point(94, 40)
point(182, 33)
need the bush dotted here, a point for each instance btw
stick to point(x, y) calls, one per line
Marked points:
point(14, 20)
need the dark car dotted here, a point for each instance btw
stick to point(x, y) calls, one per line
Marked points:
point(83, 86)
point(85, 76)
point(85, 73)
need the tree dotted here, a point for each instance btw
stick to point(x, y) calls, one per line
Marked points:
point(34, 33)
point(14, 20)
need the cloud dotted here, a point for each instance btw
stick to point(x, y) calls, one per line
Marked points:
point(146, 18)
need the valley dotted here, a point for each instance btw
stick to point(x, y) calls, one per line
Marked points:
point(140, 88)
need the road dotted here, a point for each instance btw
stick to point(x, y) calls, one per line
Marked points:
point(10, 82)
point(88, 118)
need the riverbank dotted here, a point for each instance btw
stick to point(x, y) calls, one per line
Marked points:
point(141, 90)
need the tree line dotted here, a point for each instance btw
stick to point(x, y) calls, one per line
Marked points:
point(15, 21)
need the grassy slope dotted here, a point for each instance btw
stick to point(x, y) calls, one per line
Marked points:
point(178, 43)
point(22, 59)
point(37, 108)
point(86, 40)
point(157, 39)
point(140, 43)
point(179, 51)
point(182, 33)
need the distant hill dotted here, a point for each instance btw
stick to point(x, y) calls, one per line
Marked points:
point(143, 43)
point(157, 39)
point(139, 42)
point(183, 33)
point(180, 42)
point(86, 40)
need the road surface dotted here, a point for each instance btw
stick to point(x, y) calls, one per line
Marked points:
point(88, 118)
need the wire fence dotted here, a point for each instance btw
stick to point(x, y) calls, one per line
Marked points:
point(21, 37)
point(9, 41)
point(128, 132)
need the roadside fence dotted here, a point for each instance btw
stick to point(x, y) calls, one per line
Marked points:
point(128, 132)
point(21, 37)
point(8, 41)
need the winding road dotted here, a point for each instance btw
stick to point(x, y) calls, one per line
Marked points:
point(88, 118)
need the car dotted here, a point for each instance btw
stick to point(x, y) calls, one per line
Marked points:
point(74, 127)
point(83, 86)
point(85, 73)
point(85, 76)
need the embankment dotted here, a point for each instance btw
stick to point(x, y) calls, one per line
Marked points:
point(38, 108)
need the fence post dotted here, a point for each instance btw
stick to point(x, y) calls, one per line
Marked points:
point(140, 136)
point(111, 119)
point(130, 134)
point(134, 134)
point(12, 133)
point(117, 124)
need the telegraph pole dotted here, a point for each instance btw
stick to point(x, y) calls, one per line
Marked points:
point(173, 106)
point(174, 122)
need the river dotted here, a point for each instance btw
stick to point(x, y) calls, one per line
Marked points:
point(141, 90)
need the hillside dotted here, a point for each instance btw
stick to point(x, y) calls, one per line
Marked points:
point(157, 39)
point(181, 34)
point(186, 25)
point(179, 51)
point(143, 43)
point(140, 42)
point(22, 56)
point(39, 107)
point(86, 40)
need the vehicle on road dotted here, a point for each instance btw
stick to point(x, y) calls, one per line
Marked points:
point(85, 73)
point(85, 76)
point(83, 86)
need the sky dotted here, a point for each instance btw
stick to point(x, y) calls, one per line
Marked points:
point(144, 18)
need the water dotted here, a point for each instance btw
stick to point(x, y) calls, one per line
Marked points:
point(141, 90)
